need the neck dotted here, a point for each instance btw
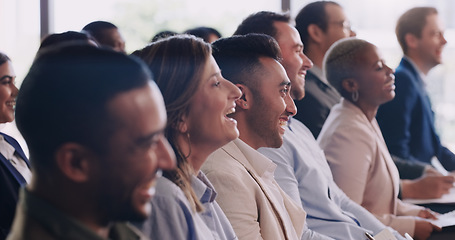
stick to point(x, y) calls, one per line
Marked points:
point(246, 134)
point(316, 54)
point(369, 110)
point(421, 65)
point(197, 152)
point(75, 203)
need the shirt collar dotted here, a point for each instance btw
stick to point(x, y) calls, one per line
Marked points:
point(318, 72)
point(203, 188)
point(421, 74)
point(6, 149)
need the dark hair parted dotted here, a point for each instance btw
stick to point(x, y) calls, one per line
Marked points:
point(177, 63)
point(262, 22)
point(412, 21)
point(313, 13)
point(238, 56)
point(4, 58)
point(64, 99)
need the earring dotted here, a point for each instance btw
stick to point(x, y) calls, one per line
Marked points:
point(355, 96)
point(245, 104)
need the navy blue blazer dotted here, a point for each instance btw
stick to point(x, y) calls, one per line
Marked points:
point(10, 182)
point(407, 122)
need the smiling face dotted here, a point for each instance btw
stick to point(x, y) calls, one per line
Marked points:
point(8, 92)
point(138, 150)
point(294, 61)
point(376, 82)
point(207, 123)
point(271, 106)
point(429, 46)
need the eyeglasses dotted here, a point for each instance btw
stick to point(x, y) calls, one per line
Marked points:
point(346, 25)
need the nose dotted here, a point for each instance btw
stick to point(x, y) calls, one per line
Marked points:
point(306, 62)
point(291, 109)
point(444, 41)
point(352, 33)
point(235, 91)
point(165, 155)
point(15, 91)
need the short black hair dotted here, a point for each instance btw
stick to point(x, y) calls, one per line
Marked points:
point(262, 22)
point(96, 29)
point(4, 58)
point(64, 98)
point(64, 37)
point(203, 32)
point(238, 56)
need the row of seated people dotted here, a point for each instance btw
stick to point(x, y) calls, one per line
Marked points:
point(107, 132)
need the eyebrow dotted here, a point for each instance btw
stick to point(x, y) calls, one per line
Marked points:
point(143, 139)
point(285, 83)
point(7, 76)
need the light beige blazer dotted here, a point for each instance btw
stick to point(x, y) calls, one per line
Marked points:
point(255, 209)
point(362, 166)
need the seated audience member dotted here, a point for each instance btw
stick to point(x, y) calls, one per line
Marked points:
point(93, 120)
point(352, 141)
point(163, 34)
point(106, 34)
point(320, 24)
point(14, 165)
point(197, 101)
point(208, 34)
point(247, 192)
point(67, 37)
point(407, 121)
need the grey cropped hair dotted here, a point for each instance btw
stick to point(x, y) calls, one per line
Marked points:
point(341, 59)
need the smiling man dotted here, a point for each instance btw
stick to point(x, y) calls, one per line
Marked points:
point(247, 192)
point(407, 122)
point(93, 120)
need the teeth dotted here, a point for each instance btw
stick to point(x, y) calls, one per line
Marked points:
point(12, 103)
point(283, 123)
point(232, 110)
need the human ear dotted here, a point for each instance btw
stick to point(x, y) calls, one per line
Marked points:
point(243, 102)
point(315, 32)
point(411, 40)
point(349, 85)
point(74, 161)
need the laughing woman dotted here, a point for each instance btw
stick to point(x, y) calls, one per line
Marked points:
point(197, 101)
point(14, 165)
point(353, 143)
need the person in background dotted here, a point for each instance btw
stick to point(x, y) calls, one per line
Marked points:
point(198, 100)
point(93, 120)
point(352, 141)
point(106, 34)
point(67, 37)
point(14, 165)
point(320, 24)
point(407, 121)
point(162, 34)
point(208, 34)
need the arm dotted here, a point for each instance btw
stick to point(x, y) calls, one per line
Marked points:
point(237, 200)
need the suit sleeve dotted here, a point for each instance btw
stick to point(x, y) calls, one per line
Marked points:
point(349, 152)
point(235, 199)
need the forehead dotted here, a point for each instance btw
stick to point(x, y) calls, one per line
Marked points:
point(140, 111)
point(273, 73)
point(287, 35)
point(433, 22)
point(334, 12)
point(6, 68)
point(368, 55)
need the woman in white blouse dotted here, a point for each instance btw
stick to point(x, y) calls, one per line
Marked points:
point(352, 141)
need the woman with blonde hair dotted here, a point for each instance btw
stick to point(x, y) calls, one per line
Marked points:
point(198, 100)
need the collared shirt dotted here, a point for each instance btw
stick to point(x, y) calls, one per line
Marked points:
point(318, 72)
point(9, 153)
point(38, 219)
point(213, 216)
point(421, 74)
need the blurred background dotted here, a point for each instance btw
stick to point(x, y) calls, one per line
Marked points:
point(140, 20)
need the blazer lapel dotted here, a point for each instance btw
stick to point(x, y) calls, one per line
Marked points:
point(17, 147)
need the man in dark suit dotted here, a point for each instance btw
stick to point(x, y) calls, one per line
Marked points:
point(11, 179)
point(407, 122)
point(320, 24)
